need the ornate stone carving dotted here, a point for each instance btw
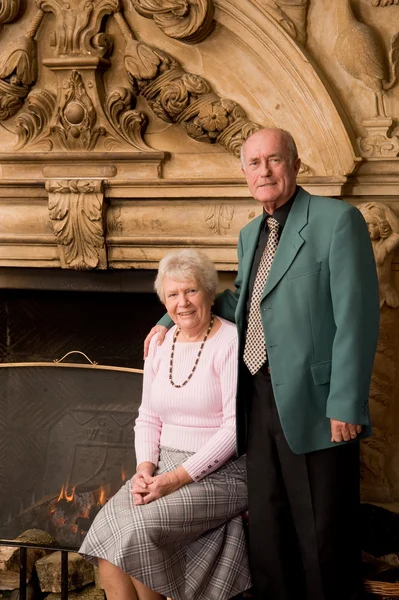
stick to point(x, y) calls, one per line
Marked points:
point(179, 97)
point(378, 460)
point(78, 30)
point(33, 126)
point(218, 217)
point(291, 15)
point(76, 210)
point(384, 2)
point(185, 20)
point(128, 123)
point(383, 226)
point(378, 142)
point(18, 71)
point(9, 10)
point(77, 117)
point(360, 53)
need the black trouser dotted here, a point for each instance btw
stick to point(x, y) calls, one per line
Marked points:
point(303, 511)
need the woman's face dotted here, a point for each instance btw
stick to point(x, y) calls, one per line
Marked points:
point(374, 228)
point(188, 304)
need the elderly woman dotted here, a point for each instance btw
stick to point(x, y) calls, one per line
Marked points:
point(174, 530)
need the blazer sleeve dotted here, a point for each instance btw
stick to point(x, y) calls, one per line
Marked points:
point(226, 303)
point(355, 300)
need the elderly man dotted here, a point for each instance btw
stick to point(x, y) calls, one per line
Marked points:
point(307, 312)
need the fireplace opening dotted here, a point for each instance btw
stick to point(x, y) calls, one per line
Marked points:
point(66, 429)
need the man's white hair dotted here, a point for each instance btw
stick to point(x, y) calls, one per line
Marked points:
point(291, 145)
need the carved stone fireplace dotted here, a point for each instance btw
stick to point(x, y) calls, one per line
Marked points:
point(122, 123)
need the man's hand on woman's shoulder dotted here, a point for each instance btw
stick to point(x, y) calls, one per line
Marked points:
point(158, 329)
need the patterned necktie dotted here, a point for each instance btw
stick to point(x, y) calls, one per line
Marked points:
point(255, 347)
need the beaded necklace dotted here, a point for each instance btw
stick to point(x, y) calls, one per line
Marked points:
point(197, 359)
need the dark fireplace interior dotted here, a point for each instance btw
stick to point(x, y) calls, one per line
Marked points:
point(66, 432)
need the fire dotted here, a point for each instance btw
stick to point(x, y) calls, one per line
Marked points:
point(103, 496)
point(64, 493)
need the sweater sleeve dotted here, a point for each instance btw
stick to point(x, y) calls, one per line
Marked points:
point(221, 446)
point(148, 425)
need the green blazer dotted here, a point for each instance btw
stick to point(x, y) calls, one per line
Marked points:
point(320, 316)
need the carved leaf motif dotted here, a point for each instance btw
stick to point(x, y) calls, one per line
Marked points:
point(34, 125)
point(393, 63)
point(142, 61)
point(219, 217)
point(18, 62)
point(130, 124)
point(76, 212)
point(9, 105)
point(9, 9)
point(186, 20)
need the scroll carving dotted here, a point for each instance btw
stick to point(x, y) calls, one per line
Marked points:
point(185, 20)
point(291, 15)
point(33, 126)
point(219, 217)
point(9, 10)
point(378, 143)
point(128, 123)
point(383, 226)
point(76, 210)
point(184, 98)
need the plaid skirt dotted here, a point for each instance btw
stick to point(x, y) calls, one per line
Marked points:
point(189, 545)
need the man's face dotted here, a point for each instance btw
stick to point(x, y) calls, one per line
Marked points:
point(269, 169)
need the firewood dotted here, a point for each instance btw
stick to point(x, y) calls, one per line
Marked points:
point(97, 579)
point(9, 557)
point(80, 572)
point(89, 592)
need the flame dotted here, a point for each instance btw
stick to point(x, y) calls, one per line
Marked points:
point(102, 497)
point(123, 473)
point(64, 493)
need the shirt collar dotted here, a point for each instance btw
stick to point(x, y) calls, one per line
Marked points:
point(281, 213)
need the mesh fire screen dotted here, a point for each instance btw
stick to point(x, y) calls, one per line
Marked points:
point(66, 444)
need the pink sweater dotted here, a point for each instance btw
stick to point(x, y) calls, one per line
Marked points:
point(198, 417)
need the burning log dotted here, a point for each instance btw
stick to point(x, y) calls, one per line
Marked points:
point(9, 557)
point(80, 572)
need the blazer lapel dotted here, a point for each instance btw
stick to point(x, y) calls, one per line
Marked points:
point(246, 266)
point(290, 242)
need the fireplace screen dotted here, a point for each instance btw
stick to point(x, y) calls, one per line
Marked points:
point(66, 444)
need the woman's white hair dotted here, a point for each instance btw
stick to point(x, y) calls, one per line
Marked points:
point(185, 265)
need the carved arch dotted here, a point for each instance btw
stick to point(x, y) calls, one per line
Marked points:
point(278, 64)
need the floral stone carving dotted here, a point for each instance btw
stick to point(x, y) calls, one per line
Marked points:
point(76, 210)
point(179, 97)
